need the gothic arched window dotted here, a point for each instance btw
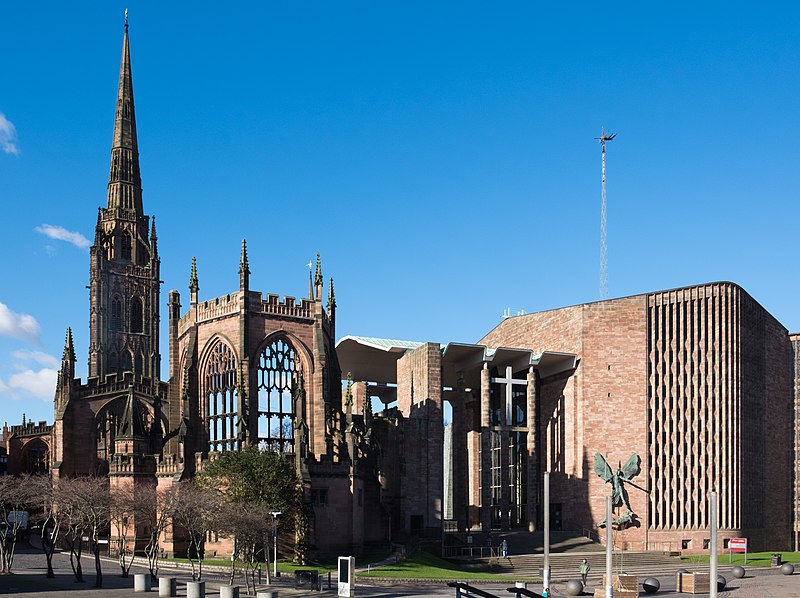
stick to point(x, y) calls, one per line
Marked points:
point(277, 368)
point(125, 364)
point(36, 456)
point(142, 255)
point(116, 313)
point(139, 364)
point(222, 399)
point(137, 315)
point(113, 362)
point(127, 246)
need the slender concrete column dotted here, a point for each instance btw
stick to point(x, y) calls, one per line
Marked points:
point(533, 436)
point(486, 452)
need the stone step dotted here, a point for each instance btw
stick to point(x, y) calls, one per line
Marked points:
point(568, 566)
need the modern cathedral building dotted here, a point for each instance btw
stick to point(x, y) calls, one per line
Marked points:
point(701, 383)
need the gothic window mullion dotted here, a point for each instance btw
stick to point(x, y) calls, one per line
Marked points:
point(277, 370)
point(221, 399)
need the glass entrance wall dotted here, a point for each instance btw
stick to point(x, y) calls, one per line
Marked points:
point(509, 433)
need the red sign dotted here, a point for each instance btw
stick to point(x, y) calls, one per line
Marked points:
point(737, 544)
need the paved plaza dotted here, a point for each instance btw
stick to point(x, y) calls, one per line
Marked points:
point(29, 581)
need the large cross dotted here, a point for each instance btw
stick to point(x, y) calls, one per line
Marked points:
point(509, 381)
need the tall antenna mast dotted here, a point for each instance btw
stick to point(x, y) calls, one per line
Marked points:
point(603, 244)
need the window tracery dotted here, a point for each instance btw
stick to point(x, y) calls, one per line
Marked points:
point(277, 373)
point(222, 399)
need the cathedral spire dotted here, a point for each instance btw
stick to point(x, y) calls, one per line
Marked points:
point(124, 181)
point(244, 269)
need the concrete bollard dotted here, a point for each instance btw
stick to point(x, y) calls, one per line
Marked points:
point(229, 592)
point(167, 587)
point(141, 582)
point(195, 589)
point(267, 594)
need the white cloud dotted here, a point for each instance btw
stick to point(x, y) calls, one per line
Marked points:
point(39, 357)
point(28, 382)
point(62, 234)
point(21, 326)
point(40, 384)
point(8, 136)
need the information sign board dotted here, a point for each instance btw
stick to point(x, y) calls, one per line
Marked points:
point(737, 545)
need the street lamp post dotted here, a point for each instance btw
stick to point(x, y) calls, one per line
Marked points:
point(275, 515)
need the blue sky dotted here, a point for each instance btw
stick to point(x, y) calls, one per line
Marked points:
point(440, 156)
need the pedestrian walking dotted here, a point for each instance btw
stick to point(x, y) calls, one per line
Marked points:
point(504, 549)
point(584, 570)
point(546, 593)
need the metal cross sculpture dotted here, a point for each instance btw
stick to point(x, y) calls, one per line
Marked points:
point(619, 495)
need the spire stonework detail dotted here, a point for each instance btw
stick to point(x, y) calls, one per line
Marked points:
point(244, 269)
point(124, 269)
point(318, 282)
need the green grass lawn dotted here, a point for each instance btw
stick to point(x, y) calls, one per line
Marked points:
point(420, 565)
point(754, 559)
point(423, 565)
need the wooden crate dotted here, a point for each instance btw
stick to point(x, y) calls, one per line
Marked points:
point(693, 583)
point(625, 586)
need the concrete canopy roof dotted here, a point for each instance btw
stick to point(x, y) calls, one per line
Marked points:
point(375, 360)
point(372, 359)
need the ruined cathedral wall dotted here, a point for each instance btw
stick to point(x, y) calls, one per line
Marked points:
point(419, 398)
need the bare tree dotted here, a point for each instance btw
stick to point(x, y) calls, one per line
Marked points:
point(84, 502)
point(249, 525)
point(198, 512)
point(15, 498)
point(123, 516)
point(158, 508)
point(49, 517)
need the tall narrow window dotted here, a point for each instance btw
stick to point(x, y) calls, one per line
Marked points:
point(142, 255)
point(127, 246)
point(138, 367)
point(126, 361)
point(276, 376)
point(222, 399)
point(116, 313)
point(137, 315)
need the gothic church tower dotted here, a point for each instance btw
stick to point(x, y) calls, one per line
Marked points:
point(124, 271)
point(114, 423)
